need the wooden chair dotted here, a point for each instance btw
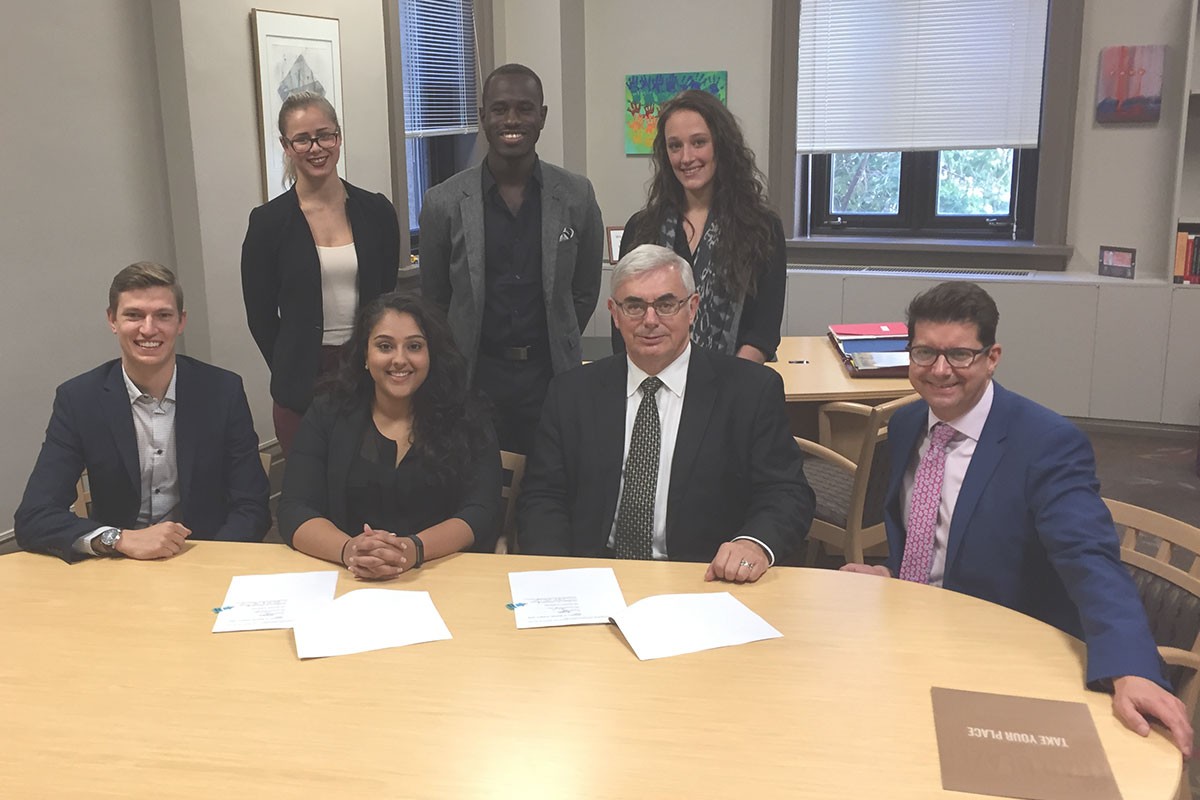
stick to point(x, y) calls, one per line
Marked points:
point(82, 507)
point(1163, 554)
point(850, 488)
point(513, 465)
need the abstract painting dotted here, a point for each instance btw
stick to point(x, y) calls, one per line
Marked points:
point(645, 94)
point(1129, 83)
point(293, 53)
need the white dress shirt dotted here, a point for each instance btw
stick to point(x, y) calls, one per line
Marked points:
point(958, 458)
point(154, 429)
point(669, 400)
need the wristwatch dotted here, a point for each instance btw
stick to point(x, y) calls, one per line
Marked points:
point(106, 543)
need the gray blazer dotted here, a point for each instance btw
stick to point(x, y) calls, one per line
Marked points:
point(452, 256)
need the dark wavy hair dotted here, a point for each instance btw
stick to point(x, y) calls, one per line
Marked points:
point(448, 416)
point(739, 203)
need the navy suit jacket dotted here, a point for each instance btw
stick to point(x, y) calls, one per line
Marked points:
point(1030, 532)
point(223, 489)
point(736, 470)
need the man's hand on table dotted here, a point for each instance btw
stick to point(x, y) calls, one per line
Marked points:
point(1135, 697)
point(739, 561)
point(162, 540)
point(868, 569)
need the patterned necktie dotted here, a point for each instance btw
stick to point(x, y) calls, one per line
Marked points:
point(635, 515)
point(923, 509)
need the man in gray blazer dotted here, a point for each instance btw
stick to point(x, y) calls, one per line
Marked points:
point(512, 250)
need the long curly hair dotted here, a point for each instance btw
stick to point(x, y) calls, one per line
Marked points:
point(448, 415)
point(739, 204)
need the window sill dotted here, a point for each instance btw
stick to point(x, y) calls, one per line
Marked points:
point(875, 251)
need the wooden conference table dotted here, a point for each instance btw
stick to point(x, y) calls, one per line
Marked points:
point(813, 374)
point(111, 685)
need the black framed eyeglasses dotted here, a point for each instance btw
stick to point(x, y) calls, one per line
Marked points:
point(957, 357)
point(664, 306)
point(302, 144)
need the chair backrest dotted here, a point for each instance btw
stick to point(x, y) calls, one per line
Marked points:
point(513, 465)
point(857, 445)
point(82, 507)
point(875, 458)
point(1163, 554)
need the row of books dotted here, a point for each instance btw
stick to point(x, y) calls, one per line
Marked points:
point(1187, 254)
point(872, 349)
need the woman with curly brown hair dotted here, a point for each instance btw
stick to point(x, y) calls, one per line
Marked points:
point(398, 464)
point(706, 202)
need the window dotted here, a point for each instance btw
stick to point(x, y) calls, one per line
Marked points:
point(919, 118)
point(441, 111)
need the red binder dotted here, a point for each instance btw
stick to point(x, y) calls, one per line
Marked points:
point(870, 330)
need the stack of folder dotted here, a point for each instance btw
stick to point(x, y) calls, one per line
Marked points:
point(872, 349)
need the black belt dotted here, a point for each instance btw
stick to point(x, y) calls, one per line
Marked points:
point(507, 353)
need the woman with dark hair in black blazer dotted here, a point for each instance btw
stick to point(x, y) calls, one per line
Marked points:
point(311, 258)
point(397, 464)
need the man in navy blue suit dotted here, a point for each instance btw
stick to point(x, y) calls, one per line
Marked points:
point(996, 496)
point(167, 441)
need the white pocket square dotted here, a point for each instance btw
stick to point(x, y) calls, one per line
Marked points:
point(567, 234)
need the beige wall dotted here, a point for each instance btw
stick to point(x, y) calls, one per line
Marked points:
point(1122, 182)
point(84, 194)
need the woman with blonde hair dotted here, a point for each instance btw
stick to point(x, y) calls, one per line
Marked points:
point(311, 258)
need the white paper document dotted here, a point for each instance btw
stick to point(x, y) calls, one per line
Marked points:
point(546, 598)
point(264, 602)
point(369, 619)
point(674, 624)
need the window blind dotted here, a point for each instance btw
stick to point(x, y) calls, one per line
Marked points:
point(437, 40)
point(883, 75)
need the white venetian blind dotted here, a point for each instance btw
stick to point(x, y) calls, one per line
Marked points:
point(888, 75)
point(437, 39)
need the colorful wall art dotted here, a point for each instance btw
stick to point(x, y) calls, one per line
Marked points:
point(645, 94)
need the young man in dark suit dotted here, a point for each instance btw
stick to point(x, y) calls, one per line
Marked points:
point(511, 249)
point(995, 496)
point(167, 441)
point(667, 451)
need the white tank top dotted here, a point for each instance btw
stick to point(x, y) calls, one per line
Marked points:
point(339, 291)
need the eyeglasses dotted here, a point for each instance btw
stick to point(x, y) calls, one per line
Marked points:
point(957, 357)
point(302, 144)
point(663, 306)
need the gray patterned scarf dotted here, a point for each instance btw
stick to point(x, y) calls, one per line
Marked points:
point(717, 320)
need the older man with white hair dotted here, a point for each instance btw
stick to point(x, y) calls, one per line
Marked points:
point(667, 451)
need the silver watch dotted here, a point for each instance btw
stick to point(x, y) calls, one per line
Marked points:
point(109, 538)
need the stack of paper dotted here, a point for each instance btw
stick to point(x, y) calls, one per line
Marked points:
point(655, 627)
point(358, 621)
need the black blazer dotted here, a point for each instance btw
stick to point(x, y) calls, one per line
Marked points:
point(329, 438)
point(281, 283)
point(736, 469)
point(223, 489)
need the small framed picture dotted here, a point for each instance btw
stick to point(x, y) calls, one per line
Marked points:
point(1117, 262)
point(614, 243)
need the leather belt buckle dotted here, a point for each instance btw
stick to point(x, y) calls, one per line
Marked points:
point(516, 353)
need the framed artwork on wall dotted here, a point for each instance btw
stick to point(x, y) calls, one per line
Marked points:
point(645, 94)
point(1129, 83)
point(292, 53)
point(614, 242)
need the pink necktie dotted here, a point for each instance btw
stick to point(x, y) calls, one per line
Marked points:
point(923, 510)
